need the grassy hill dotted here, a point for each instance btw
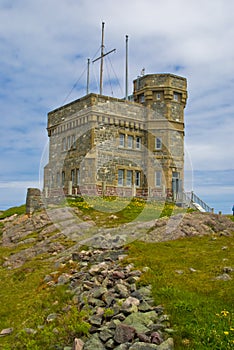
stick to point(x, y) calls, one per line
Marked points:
point(187, 276)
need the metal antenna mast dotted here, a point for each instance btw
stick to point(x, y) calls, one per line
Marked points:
point(126, 82)
point(101, 57)
point(102, 53)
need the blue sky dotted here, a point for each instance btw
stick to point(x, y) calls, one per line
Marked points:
point(44, 46)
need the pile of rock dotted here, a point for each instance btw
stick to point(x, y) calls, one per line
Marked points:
point(188, 225)
point(121, 315)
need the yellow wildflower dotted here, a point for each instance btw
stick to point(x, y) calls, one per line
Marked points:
point(225, 313)
point(226, 332)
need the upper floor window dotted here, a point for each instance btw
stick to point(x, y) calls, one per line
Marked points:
point(68, 142)
point(64, 144)
point(158, 143)
point(158, 96)
point(130, 141)
point(138, 142)
point(142, 98)
point(73, 141)
point(121, 140)
point(176, 96)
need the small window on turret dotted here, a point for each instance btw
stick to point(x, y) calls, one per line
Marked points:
point(176, 96)
point(158, 143)
point(158, 96)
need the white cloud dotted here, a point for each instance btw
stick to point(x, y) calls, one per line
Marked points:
point(45, 44)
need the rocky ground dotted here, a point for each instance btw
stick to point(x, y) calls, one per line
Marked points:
point(49, 231)
point(121, 315)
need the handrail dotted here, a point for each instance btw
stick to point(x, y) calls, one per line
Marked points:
point(192, 198)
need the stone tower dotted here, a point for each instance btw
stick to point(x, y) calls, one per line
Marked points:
point(166, 96)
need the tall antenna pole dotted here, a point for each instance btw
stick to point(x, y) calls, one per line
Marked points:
point(102, 53)
point(126, 81)
point(88, 65)
point(101, 58)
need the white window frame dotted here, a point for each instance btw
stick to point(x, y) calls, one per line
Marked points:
point(129, 178)
point(158, 96)
point(130, 141)
point(73, 177)
point(121, 140)
point(120, 177)
point(78, 177)
point(158, 178)
point(73, 141)
point(138, 142)
point(137, 178)
point(63, 178)
point(158, 143)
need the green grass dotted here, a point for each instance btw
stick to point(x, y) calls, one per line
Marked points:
point(26, 301)
point(14, 210)
point(99, 209)
point(201, 307)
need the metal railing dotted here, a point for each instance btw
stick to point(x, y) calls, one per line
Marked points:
point(192, 199)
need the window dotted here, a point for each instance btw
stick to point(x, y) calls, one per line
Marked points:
point(64, 144)
point(120, 177)
point(129, 178)
point(73, 177)
point(121, 140)
point(176, 96)
point(130, 141)
point(63, 178)
point(58, 179)
point(158, 178)
point(142, 98)
point(68, 142)
point(138, 178)
point(78, 176)
point(73, 141)
point(158, 143)
point(138, 142)
point(175, 175)
point(158, 96)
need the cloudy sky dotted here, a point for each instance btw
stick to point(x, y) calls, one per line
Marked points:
point(44, 46)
